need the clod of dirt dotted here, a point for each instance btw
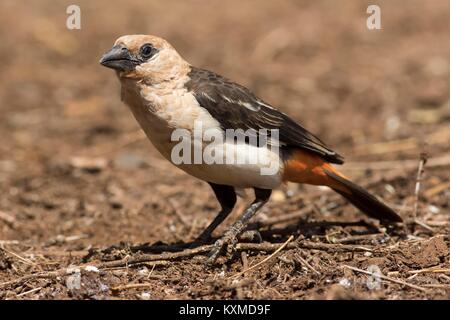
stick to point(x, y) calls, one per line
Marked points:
point(5, 261)
point(85, 283)
point(380, 262)
point(73, 282)
point(338, 292)
point(425, 253)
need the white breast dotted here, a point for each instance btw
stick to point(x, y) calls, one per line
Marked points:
point(160, 111)
point(239, 165)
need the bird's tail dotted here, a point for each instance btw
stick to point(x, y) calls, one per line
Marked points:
point(305, 167)
point(363, 200)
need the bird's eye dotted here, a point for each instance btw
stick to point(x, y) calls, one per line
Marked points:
point(147, 51)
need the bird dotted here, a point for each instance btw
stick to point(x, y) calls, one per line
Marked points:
point(165, 93)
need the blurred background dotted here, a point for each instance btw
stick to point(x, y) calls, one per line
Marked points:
point(73, 162)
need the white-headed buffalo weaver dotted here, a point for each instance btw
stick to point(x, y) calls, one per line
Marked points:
point(165, 93)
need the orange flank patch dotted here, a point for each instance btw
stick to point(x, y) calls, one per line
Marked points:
point(305, 167)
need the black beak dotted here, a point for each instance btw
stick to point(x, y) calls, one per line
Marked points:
point(119, 58)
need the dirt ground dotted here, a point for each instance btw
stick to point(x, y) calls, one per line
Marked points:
point(85, 195)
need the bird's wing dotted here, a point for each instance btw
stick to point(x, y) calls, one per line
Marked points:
point(236, 107)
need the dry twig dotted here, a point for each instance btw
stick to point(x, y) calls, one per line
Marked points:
point(144, 285)
point(266, 259)
point(431, 270)
point(306, 264)
point(22, 259)
point(358, 238)
point(165, 258)
point(244, 260)
point(269, 247)
point(29, 291)
point(40, 275)
point(413, 286)
point(424, 225)
point(438, 286)
point(420, 170)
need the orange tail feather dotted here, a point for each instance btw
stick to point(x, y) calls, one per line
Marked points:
point(305, 167)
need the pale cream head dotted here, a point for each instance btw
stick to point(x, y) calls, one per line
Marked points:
point(145, 57)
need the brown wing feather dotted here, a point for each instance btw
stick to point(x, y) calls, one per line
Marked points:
point(236, 107)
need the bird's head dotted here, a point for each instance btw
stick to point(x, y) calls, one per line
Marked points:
point(144, 57)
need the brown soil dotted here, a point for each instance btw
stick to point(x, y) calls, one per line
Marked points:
point(81, 186)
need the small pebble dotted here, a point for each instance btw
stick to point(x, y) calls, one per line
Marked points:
point(144, 296)
point(143, 271)
point(389, 188)
point(73, 282)
point(345, 283)
point(433, 209)
point(91, 269)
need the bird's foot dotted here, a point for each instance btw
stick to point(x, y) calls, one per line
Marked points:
point(251, 236)
point(227, 240)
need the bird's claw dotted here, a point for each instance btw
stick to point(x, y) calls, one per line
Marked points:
point(215, 251)
point(220, 244)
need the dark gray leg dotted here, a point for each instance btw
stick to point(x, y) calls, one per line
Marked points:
point(227, 199)
point(261, 197)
